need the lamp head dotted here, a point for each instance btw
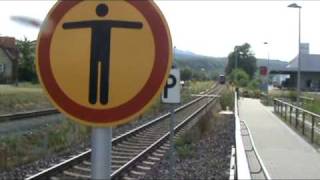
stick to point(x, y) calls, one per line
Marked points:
point(294, 5)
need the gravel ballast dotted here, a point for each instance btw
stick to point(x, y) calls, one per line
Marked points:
point(209, 157)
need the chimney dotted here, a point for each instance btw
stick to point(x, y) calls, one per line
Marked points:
point(304, 48)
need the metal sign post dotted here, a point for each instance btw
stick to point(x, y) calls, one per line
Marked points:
point(89, 95)
point(101, 149)
point(171, 95)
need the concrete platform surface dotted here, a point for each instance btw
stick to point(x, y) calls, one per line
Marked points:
point(284, 153)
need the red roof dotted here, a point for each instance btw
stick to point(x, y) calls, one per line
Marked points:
point(7, 42)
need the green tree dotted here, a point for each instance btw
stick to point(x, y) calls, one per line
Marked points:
point(26, 67)
point(199, 76)
point(245, 58)
point(186, 74)
point(239, 77)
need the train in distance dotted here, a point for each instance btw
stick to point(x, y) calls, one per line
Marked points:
point(222, 79)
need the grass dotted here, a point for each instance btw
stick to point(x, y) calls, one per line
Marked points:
point(227, 99)
point(19, 149)
point(27, 97)
point(185, 144)
point(22, 98)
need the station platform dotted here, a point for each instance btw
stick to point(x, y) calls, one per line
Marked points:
point(284, 153)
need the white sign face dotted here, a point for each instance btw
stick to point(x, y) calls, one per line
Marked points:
point(171, 93)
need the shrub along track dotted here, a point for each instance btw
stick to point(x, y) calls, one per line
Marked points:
point(135, 151)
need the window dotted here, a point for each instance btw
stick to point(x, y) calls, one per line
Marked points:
point(2, 68)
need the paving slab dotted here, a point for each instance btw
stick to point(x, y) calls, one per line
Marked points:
point(285, 154)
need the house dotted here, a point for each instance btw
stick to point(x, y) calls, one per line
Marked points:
point(309, 70)
point(8, 60)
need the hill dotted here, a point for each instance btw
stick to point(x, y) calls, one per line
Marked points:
point(215, 65)
point(185, 59)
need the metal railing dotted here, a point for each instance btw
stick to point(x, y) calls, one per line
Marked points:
point(306, 122)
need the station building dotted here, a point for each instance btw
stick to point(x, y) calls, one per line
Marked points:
point(8, 60)
point(309, 70)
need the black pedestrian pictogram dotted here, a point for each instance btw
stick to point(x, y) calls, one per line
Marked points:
point(100, 50)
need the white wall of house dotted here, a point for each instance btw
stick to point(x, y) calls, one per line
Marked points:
point(5, 67)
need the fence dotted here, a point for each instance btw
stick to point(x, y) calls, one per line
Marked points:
point(302, 120)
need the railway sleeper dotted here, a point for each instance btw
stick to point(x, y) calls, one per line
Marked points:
point(128, 158)
point(164, 148)
point(75, 175)
point(119, 162)
point(139, 139)
point(118, 153)
point(143, 167)
point(150, 163)
point(118, 149)
point(136, 173)
point(135, 147)
point(81, 168)
point(145, 141)
point(157, 154)
point(88, 169)
point(161, 151)
point(130, 143)
point(152, 158)
point(54, 178)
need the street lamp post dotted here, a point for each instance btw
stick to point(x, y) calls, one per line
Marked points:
point(294, 5)
point(268, 65)
point(236, 62)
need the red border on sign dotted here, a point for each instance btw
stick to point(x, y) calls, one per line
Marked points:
point(123, 111)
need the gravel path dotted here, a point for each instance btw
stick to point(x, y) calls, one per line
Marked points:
point(210, 158)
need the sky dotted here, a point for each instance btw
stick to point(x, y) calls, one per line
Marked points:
point(209, 28)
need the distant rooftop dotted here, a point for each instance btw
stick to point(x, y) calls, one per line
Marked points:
point(309, 62)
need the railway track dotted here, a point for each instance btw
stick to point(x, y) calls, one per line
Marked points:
point(134, 152)
point(29, 114)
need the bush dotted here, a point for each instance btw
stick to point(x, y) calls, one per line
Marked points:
point(227, 99)
point(239, 77)
point(254, 84)
point(292, 96)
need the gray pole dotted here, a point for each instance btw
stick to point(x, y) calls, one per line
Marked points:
point(101, 145)
point(268, 67)
point(236, 63)
point(172, 156)
point(299, 62)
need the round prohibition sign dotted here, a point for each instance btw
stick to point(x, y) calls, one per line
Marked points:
point(95, 112)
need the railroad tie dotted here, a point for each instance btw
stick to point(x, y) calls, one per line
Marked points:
point(148, 163)
point(138, 173)
point(82, 168)
point(145, 168)
point(157, 154)
point(153, 158)
point(76, 175)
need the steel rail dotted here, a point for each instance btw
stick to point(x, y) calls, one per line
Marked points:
point(130, 164)
point(85, 155)
point(28, 114)
point(45, 112)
